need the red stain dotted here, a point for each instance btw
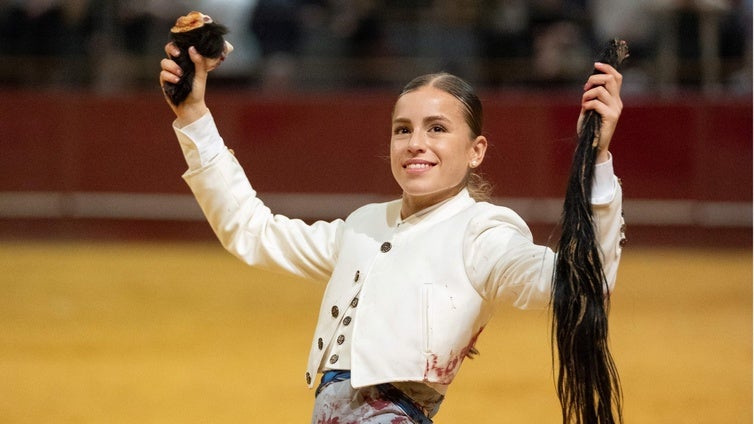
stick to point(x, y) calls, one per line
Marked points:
point(446, 373)
point(377, 404)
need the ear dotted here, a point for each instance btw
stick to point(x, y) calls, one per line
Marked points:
point(477, 150)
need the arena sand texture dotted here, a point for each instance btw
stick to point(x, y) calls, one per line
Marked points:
point(185, 333)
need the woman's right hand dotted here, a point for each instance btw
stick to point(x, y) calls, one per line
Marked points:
point(193, 107)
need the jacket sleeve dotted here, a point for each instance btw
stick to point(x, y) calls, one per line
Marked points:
point(505, 265)
point(249, 230)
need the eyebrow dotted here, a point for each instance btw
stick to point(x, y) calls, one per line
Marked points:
point(425, 120)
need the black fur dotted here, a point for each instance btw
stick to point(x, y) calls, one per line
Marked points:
point(209, 42)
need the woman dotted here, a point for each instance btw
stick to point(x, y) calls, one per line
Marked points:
point(411, 283)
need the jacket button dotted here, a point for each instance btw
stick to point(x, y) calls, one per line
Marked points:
point(335, 311)
point(320, 343)
point(308, 378)
point(354, 302)
point(386, 246)
point(334, 359)
point(346, 320)
point(623, 242)
point(356, 277)
point(341, 339)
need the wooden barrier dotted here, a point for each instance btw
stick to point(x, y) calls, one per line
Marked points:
point(689, 148)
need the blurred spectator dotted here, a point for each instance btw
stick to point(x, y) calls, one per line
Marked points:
point(735, 45)
point(449, 40)
point(44, 41)
point(277, 26)
point(126, 37)
point(235, 15)
point(560, 38)
point(633, 21)
point(506, 40)
point(359, 25)
point(111, 45)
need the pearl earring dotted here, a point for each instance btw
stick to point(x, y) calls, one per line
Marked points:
point(473, 164)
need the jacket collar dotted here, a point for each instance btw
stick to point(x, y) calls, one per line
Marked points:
point(434, 213)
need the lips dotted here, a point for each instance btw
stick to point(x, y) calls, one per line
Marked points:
point(418, 165)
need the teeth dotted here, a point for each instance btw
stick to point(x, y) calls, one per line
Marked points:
point(418, 165)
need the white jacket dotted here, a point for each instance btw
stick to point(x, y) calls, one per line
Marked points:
point(426, 285)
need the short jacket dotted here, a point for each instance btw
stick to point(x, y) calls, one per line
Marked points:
point(426, 285)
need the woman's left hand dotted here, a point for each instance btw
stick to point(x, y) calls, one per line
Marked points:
point(602, 95)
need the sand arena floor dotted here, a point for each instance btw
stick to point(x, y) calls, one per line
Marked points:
point(184, 333)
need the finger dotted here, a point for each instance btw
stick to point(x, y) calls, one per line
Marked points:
point(607, 94)
point(166, 76)
point(605, 68)
point(611, 82)
point(171, 72)
point(608, 75)
point(171, 66)
point(172, 50)
point(598, 93)
point(603, 102)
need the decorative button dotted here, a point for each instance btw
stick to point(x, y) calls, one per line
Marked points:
point(308, 378)
point(341, 339)
point(320, 343)
point(354, 302)
point(335, 311)
point(334, 359)
point(356, 277)
point(386, 246)
point(623, 242)
point(346, 320)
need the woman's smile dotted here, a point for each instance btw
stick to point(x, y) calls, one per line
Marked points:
point(418, 166)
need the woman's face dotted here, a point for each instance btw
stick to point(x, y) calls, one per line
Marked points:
point(431, 148)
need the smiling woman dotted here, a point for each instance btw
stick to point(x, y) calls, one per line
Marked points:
point(433, 149)
point(413, 282)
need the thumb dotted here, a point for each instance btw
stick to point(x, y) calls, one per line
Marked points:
point(200, 65)
point(200, 75)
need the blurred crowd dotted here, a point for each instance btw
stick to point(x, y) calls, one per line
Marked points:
point(114, 45)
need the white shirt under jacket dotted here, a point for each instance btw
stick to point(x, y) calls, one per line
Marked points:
point(427, 285)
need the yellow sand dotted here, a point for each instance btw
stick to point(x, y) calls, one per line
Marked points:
point(185, 333)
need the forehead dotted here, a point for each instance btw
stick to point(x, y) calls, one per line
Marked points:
point(428, 101)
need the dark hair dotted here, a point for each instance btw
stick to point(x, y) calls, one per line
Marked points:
point(478, 187)
point(209, 42)
point(459, 89)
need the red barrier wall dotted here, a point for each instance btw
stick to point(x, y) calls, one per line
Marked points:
point(689, 147)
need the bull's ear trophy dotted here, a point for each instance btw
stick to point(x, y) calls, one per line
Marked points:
point(198, 30)
point(588, 384)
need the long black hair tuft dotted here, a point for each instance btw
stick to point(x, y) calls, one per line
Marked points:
point(588, 384)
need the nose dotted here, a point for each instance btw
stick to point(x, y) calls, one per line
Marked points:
point(416, 142)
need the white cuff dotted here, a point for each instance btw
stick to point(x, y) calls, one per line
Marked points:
point(603, 184)
point(200, 141)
